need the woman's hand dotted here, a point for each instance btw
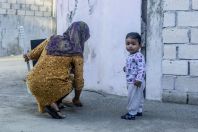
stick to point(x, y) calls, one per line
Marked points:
point(137, 83)
point(26, 57)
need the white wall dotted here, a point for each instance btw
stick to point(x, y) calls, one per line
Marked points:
point(109, 22)
point(154, 50)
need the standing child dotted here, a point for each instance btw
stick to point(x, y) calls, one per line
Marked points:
point(135, 73)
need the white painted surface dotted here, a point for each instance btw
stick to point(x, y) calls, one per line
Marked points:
point(176, 4)
point(168, 82)
point(154, 50)
point(61, 14)
point(188, 18)
point(175, 35)
point(169, 19)
point(175, 67)
point(169, 52)
point(193, 68)
point(195, 4)
point(105, 53)
point(188, 52)
point(194, 34)
point(182, 85)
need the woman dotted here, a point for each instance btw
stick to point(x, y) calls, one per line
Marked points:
point(50, 81)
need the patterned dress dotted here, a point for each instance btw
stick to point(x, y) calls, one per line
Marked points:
point(50, 79)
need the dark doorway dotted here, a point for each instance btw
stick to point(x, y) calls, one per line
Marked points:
point(35, 43)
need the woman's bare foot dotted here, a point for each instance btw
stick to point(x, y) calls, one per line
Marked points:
point(77, 102)
point(55, 107)
point(68, 103)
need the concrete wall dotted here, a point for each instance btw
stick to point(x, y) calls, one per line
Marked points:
point(154, 50)
point(105, 53)
point(171, 45)
point(180, 58)
point(172, 72)
point(35, 16)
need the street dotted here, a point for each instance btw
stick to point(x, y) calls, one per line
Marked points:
point(101, 111)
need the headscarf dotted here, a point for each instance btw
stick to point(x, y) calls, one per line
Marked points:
point(71, 42)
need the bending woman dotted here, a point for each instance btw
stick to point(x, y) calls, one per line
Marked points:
point(50, 81)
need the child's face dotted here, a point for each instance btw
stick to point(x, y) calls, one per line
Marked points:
point(132, 45)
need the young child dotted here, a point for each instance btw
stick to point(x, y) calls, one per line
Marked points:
point(135, 73)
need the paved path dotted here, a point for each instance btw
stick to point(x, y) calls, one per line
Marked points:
point(101, 112)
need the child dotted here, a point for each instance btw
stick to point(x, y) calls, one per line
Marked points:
point(135, 73)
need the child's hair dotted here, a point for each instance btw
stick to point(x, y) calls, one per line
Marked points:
point(134, 35)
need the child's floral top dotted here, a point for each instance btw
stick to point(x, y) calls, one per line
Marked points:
point(135, 67)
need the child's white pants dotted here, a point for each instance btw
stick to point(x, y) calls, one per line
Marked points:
point(135, 98)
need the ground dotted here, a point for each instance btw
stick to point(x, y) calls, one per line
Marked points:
point(101, 112)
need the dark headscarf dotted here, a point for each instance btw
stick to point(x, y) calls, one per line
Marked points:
point(71, 42)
